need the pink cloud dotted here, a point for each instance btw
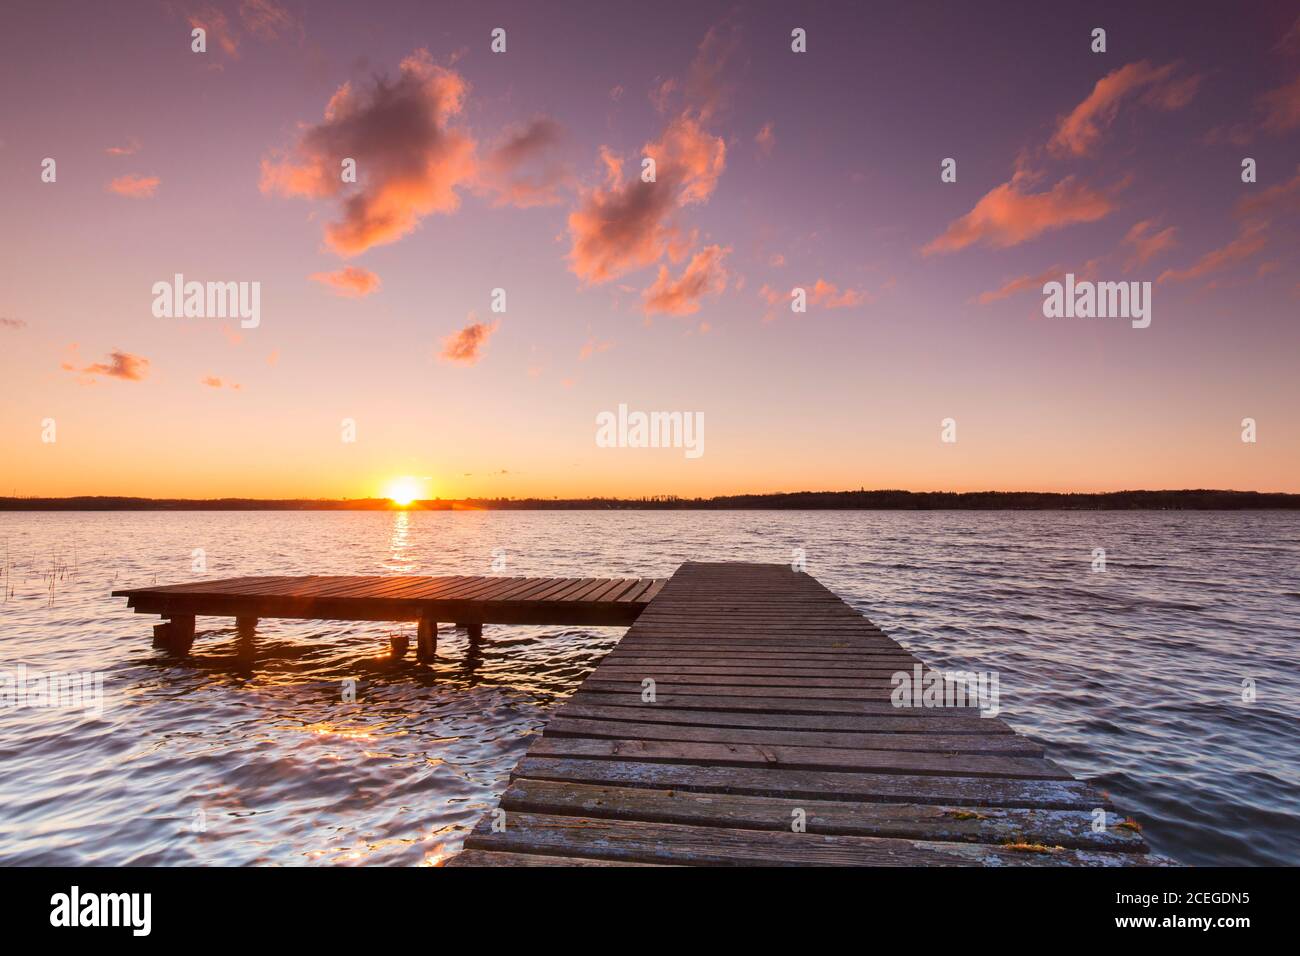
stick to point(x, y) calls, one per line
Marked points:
point(1282, 198)
point(1022, 284)
point(1251, 238)
point(704, 275)
point(130, 149)
point(766, 139)
point(624, 226)
point(120, 365)
point(350, 281)
point(828, 295)
point(822, 293)
point(1146, 243)
point(213, 381)
point(1079, 132)
point(466, 346)
point(591, 347)
point(1257, 213)
point(1019, 284)
point(135, 187)
point(410, 160)
point(517, 172)
point(1281, 108)
point(218, 29)
point(1007, 215)
point(267, 20)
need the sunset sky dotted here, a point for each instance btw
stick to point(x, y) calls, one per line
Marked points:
point(521, 171)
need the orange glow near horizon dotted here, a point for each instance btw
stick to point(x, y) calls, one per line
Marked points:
point(402, 491)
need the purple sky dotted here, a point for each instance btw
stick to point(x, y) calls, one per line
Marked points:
point(520, 171)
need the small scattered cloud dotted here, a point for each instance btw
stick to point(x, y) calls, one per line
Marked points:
point(589, 348)
point(218, 28)
point(135, 187)
point(1009, 215)
point(214, 381)
point(1257, 214)
point(704, 275)
point(1146, 243)
point(1281, 108)
point(822, 293)
point(1273, 201)
point(1080, 131)
point(120, 365)
point(1290, 42)
point(1251, 238)
point(828, 295)
point(766, 139)
point(264, 19)
point(466, 346)
point(350, 281)
point(1277, 111)
point(6, 323)
point(1019, 284)
point(267, 20)
point(130, 149)
point(518, 171)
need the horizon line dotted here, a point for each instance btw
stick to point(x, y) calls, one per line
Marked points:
point(860, 499)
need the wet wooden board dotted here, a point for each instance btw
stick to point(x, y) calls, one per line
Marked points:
point(746, 718)
point(453, 599)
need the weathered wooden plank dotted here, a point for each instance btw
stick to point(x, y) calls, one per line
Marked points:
point(787, 757)
point(874, 723)
point(1069, 828)
point(561, 726)
point(473, 600)
point(495, 858)
point(706, 699)
point(719, 846)
point(723, 677)
point(794, 690)
point(819, 784)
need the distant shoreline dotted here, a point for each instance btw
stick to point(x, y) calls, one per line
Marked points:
point(1185, 500)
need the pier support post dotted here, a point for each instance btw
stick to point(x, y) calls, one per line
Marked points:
point(245, 646)
point(175, 634)
point(426, 647)
point(475, 631)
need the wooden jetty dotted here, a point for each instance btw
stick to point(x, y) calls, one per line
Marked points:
point(469, 602)
point(768, 737)
point(745, 718)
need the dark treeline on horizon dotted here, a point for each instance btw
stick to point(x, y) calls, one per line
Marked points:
point(1187, 500)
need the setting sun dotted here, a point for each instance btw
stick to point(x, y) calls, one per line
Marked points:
point(402, 491)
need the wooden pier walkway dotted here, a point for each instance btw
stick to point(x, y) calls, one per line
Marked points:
point(466, 601)
point(767, 737)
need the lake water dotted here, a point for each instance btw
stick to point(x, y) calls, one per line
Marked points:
point(1131, 677)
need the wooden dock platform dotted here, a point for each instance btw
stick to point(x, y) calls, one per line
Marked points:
point(469, 601)
point(746, 719)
